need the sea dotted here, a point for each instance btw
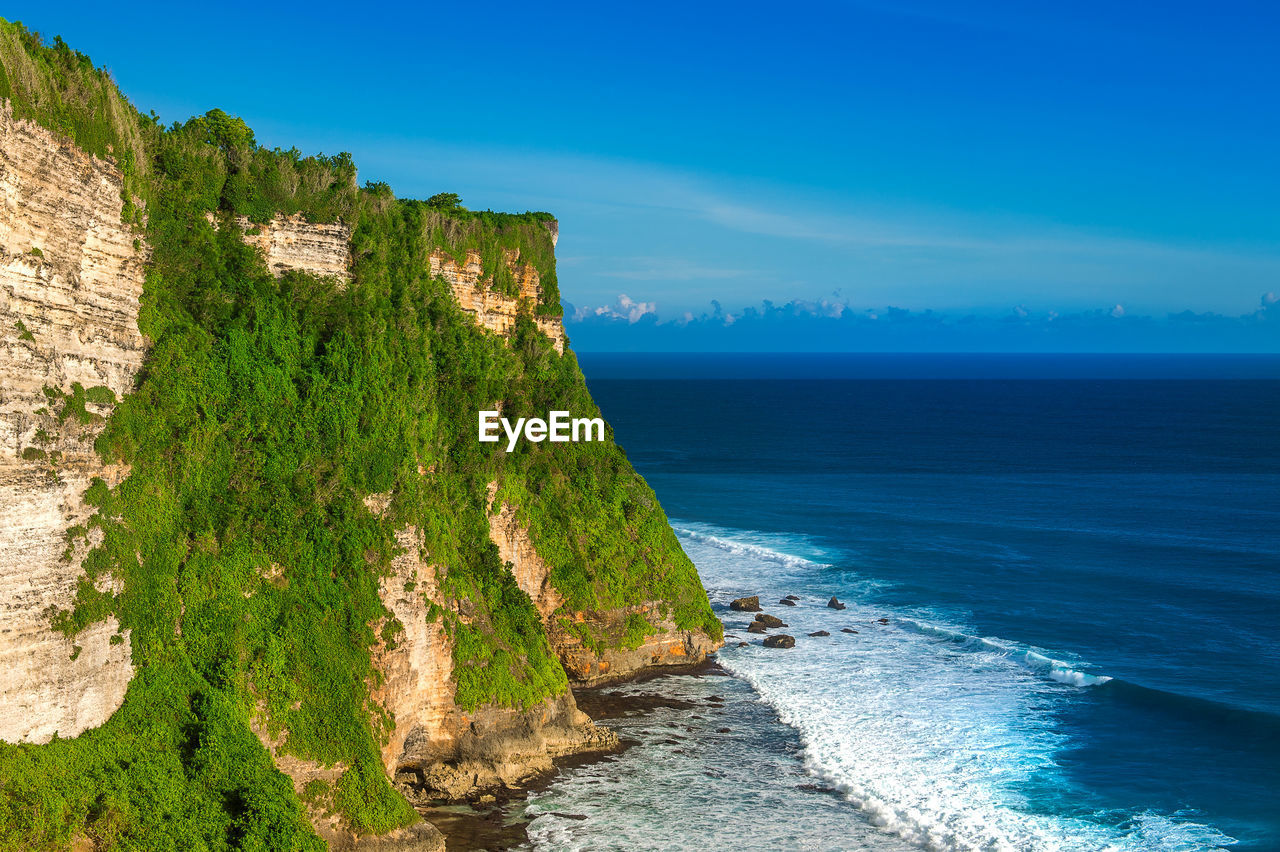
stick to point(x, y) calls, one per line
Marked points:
point(1061, 579)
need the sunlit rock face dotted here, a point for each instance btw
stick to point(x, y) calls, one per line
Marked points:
point(433, 747)
point(71, 276)
point(496, 311)
point(291, 242)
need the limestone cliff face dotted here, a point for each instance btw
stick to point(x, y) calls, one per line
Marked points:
point(291, 242)
point(668, 645)
point(436, 749)
point(495, 311)
point(70, 280)
point(418, 688)
point(71, 277)
point(532, 574)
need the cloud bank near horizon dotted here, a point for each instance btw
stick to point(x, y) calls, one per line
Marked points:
point(834, 325)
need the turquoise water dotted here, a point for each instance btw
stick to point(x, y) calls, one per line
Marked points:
point(1079, 582)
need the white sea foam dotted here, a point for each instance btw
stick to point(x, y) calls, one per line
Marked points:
point(719, 775)
point(1031, 658)
point(935, 735)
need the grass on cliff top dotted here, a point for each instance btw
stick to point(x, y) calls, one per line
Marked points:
point(266, 411)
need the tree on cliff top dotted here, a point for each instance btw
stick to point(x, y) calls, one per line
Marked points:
point(445, 201)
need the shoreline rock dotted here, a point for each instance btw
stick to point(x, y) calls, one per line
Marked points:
point(482, 825)
point(751, 604)
point(780, 640)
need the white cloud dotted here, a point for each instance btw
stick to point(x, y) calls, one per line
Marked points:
point(625, 308)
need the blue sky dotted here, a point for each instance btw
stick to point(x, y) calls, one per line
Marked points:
point(1000, 165)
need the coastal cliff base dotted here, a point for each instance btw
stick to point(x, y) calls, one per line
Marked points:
point(496, 820)
point(500, 749)
point(667, 646)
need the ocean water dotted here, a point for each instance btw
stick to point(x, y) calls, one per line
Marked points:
point(1065, 592)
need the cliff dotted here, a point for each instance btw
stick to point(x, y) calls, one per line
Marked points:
point(293, 243)
point(261, 583)
point(70, 280)
point(495, 310)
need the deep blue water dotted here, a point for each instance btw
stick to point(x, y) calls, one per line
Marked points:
point(1121, 528)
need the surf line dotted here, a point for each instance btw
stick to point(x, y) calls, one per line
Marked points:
point(559, 427)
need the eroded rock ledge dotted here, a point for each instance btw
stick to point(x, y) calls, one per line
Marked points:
point(291, 242)
point(491, 309)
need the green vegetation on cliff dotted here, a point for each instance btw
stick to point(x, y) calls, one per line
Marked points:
point(267, 410)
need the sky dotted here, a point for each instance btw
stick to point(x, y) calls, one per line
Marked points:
point(887, 176)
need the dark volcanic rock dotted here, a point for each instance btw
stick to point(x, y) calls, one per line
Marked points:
point(781, 640)
point(847, 630)
point(793, 597)
point(751, 604)
point(768, 620)
point(743, 644)
point(834, 603)
point(787, 602)
point(756, 627)
point(882, 621)
point(820, 633)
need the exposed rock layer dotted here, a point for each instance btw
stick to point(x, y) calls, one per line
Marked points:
point(71, 276)
point(291, 242)
point(435, 748)
point(493, 310)
point(667, 645)
point(533, 575)
point(421, 837)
